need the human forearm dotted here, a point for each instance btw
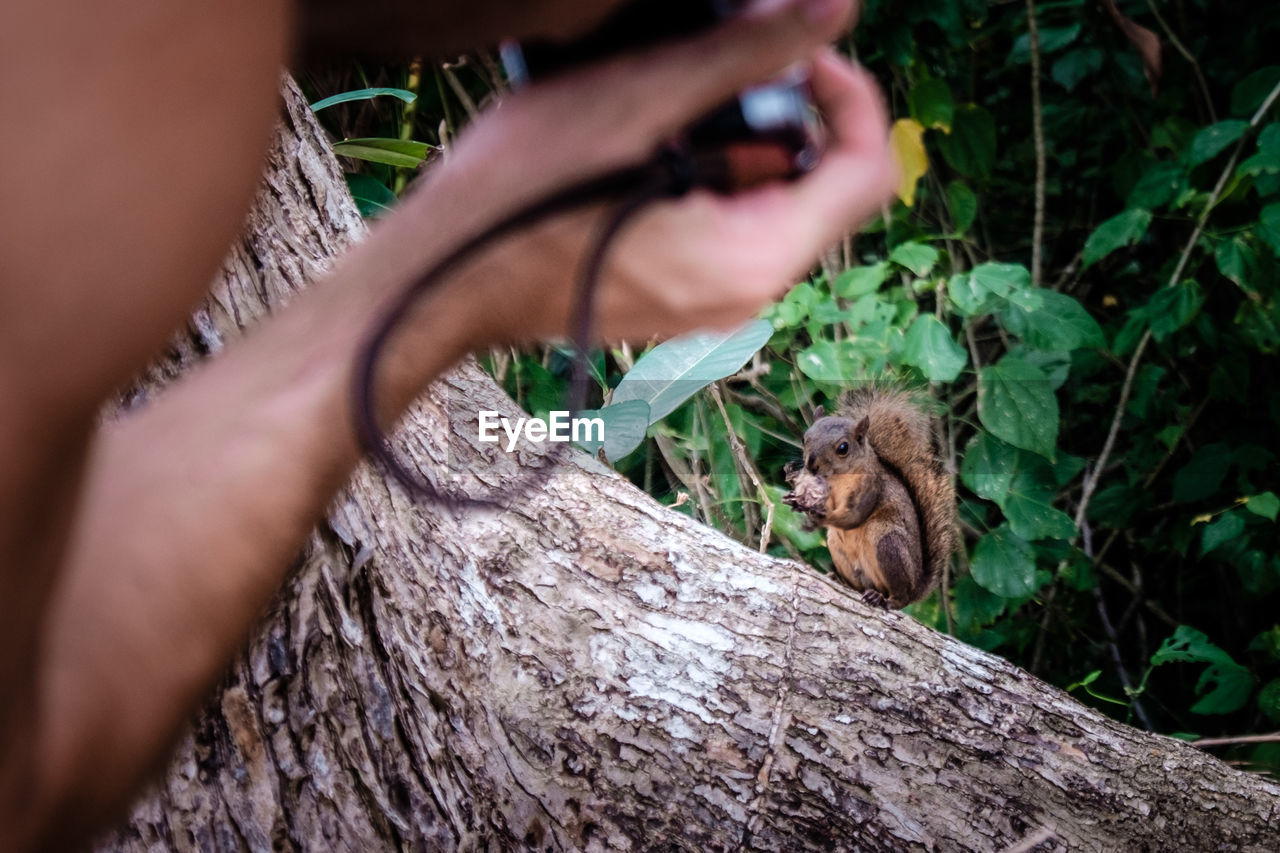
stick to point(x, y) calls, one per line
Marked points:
point(194, 508)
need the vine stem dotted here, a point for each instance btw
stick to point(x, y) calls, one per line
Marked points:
point(1037, 117)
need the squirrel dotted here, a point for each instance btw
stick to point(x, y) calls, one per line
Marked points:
point(870, 475)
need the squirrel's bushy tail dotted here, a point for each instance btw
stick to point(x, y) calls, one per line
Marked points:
point(900, 431)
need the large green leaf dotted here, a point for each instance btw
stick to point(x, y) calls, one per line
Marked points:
point(391, 152)
point(917, 257)
point(1121, 230)
point(1228, 684)
point(674, 371)
point(988, 467)
point(1211, 140)
point(1266, 505)
point(1058, 324)
point(1226, 528)
point(1076, 65)
point(1029, 506)
point(970, 148)
point(363, 95)
point(1004, 564)
point(930, 347)
point(984, 288)
point(930, 104)
point(859, 281)
point(371, 195)
point(625, 425)
point(1172, 308)
point(1016, 403)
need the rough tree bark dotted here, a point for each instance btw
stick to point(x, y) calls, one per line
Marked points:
point(593, 671)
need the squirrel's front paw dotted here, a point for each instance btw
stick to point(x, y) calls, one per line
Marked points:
point(875, 599)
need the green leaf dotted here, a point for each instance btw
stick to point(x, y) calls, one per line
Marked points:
point(988, 466)
point(1059, 324)
point(1228, 686)
point(624, 429)
point(973, 606)
point(1266, 505)
point(929, 102)
point(1017, 403)
point(1249, 93)
point(1210, 141)
point(859, 281)
point(1004, 564)
point(930, 347)
point(1159, 185)
point(391, 152)
point(1029, 507)
point(1187, 645)
point(371, 196)
point(1267, 160)
point(674, 371)
point(1238, 261)
point(1269, 220)
point(1123, 229)
point(917, 257)
point(963, 204)
point(1074, 66)
point(1051, 39)
point(1172, 308)
point(970, 148)
point(1231, 682)
point(1226, 528)
point(986, 286)
point(1269, 701)
point(1203, 474)
point(363, 95)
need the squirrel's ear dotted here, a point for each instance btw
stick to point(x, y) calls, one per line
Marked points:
point(860, 431)
point(819, 413)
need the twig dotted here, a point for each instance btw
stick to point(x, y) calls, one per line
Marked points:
point(1274, 737)
point(1037, 115)
point(744, 461)
point(1186, 54)
point(686, 475)
point(456, 85)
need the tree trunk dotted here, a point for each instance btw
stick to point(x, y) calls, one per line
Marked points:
point(593, 671)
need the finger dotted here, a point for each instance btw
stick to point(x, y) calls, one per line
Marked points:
point(858, 172)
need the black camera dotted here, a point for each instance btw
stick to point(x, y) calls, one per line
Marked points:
point(768, 132)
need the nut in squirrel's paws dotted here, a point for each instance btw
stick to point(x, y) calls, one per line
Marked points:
point(808, 494)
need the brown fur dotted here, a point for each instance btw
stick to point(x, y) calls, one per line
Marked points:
point(890, 508)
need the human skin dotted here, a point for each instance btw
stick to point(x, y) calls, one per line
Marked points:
point(124, 590)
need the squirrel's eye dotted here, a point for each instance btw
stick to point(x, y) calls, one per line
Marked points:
point(842, 449)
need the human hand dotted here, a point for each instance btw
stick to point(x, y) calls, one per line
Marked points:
point(705, 260)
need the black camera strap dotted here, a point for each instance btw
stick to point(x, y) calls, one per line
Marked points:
point(671, 174)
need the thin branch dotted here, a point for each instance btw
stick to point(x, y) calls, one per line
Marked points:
point(1186, 54)
point(1037, 115)
point(744, 462)
point(1274, 737)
